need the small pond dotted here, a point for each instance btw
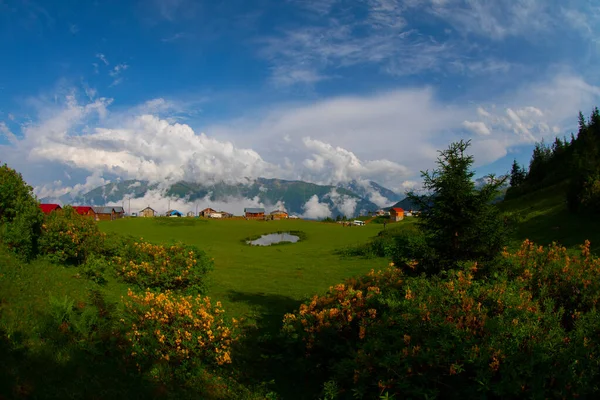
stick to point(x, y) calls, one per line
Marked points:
point(274, 238)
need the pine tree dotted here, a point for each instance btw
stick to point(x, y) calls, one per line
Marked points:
point(459, 222)
point(517, 174)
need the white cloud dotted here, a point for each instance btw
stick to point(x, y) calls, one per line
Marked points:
point(56, 189)
point(344, 203)
point(102, 58)
point(378, 199)
point(7, 133)
point(343, 165)
point(118, 69)
point(313, 209)
point(478, 128)
point(385, 137)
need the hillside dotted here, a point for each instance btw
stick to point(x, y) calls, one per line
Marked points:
point(349, 199)
point(543, 217)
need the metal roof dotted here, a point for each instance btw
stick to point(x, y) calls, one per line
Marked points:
point(103, 210)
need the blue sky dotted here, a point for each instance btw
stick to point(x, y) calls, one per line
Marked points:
point(326, 91)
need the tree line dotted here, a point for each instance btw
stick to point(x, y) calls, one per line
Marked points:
point(575, 160)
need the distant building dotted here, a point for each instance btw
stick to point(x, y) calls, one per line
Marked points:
point(279, 214)
point(173, 213)
point(206, 212)
point(86, 211)
point(48, 208)
point(119, 211)
point(396, 214)
point(191, 214)
point(254, 212)
point(147, 212)
point(225, 214)
point(105, 213)
point(379, 213)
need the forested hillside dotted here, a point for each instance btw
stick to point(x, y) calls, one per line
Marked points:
point(575, 160)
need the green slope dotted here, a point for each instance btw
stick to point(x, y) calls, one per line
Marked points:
point(544, 218)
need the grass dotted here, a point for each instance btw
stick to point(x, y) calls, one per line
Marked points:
point(256, 281)
point(544, 218)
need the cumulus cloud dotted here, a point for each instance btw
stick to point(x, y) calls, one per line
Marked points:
point(478, 128)
point(344, 203)
point(344, 165)
point(57, 189)
point(385, 137)
point(378, 199)
point(314, 209)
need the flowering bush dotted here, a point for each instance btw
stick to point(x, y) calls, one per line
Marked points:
point(416, 337)
point(69, 238)
point(169, 330)
point(569, 281)
point(167, 267)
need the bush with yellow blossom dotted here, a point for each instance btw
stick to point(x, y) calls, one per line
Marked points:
point(167, 331)
point(529, 331)
point(172, 267)
point(69, 238)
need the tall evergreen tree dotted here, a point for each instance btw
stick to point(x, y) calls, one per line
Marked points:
point(517, 174)
point(459, 222)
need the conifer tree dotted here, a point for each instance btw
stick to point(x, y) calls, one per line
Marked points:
point(459, 222)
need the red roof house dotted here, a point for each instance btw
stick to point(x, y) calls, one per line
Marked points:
point(85, 211)
point(48, 208)
point(397, 214)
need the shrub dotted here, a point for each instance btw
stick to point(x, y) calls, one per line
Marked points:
point(571, 282)
point(69, 238)
point(178, 266)
point(20, 216)
point(530, 332)
point(169, 332)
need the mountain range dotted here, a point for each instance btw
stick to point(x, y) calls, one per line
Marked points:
point(351, 198)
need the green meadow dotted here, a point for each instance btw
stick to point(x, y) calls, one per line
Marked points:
point(262, 281)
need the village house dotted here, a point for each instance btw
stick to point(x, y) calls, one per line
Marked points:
point(396, 214)
point(206, 212)
point(254, 212)
point(119, 211)
point(279, 214)
point(173, 213)
point(86, 211)
point(190, 214)
point(225, 214)
point(105, 213)
point(147, 212)
point(379, 213)
point(48, 208)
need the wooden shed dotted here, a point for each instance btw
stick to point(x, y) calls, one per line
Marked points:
point(119, 211)
point(254, 212)
point(396, 214)
point(86, 211)
point(147, 212)
point(105, 213)
point(48, 208)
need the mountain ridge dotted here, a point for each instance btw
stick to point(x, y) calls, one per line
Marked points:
point(350, 198)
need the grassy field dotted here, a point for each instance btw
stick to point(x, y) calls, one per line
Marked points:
point(254, 281)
